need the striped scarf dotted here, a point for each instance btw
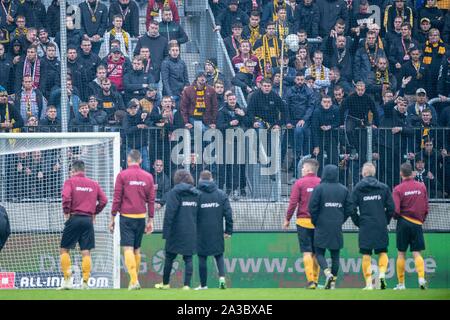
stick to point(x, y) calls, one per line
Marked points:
point(429, 48)
point(35, 74)
point(200, 105)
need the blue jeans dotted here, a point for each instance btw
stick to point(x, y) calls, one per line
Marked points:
point(145, 158)
point(300, 135)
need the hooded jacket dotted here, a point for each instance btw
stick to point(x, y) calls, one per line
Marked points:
point(5, 229)
point(180, 220)
point(330, 206)
point(214, 207)
point(376, 208)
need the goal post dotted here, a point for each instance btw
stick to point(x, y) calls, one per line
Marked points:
point(33, 167)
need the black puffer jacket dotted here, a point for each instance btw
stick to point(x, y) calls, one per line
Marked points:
point(214, 207)
point(376, 208)
point(330, 206)
point(180, 220)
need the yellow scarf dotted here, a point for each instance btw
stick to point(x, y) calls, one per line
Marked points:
point(379, 76)
point(124, 35)
point(275, 9)
point(267, 57)
point(314, 74)
point(200, 105)
point(254, 34)
point(428, 52)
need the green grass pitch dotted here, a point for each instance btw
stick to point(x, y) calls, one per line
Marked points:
point(228, 294)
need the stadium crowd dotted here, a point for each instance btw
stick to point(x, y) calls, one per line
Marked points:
point(320, 70)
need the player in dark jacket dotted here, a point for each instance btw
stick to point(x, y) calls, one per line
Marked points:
point(5, 229)
point(214, 207)
point(330, 206)
point(411, 210)
point(180, 226)
point(376, 208)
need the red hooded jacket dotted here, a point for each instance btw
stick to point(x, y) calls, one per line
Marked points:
point(115, 72)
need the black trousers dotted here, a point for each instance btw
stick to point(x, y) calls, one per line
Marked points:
point(170, 257)
point(203, 269)
point(320, 256)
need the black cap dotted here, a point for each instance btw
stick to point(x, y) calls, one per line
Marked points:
point(115, 50)
point(237, 25)
point(132, 104)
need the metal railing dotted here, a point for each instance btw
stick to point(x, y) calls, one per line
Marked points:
point(250, 178)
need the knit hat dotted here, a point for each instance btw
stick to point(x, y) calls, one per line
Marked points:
point(3, 91)
point(212, 61)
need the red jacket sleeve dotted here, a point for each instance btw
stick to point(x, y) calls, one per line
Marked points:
point(118, 195)
point(184, 105)
point(102, 200)
point(396, 197)
point(293, 201)
point(151, 199)
point(148, 17)
point(174, 9)
point(67, 197)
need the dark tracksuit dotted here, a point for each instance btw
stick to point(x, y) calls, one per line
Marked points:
point(180, 228)
point(330, 206)
point(214, 207)
point(5, 229)
point(376, 208)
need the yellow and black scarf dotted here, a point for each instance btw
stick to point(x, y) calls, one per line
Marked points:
point(275, 9)
point(124, 35)
point(200, 105)
point(268, 54)
point(314, 72)
point(429, 48)
point(382, 77)
point(255, 34)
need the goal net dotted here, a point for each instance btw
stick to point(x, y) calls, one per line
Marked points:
point(33, 167)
